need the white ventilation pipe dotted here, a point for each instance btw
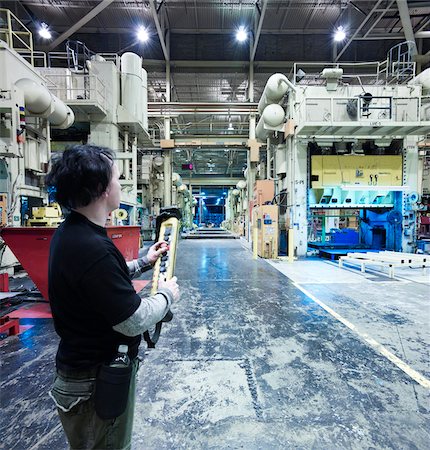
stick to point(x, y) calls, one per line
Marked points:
point(276, 87)
point(176, 179)
point(241, 184)
point(273, 116)
point(158, 163)
point(37, 98)
point(62, 117)
point(40, 102)
point(423, 79)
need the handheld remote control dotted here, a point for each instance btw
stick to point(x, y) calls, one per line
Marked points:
point(167, 229)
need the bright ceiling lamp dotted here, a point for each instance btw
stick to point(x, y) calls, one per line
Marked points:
point(339, 34)
point(230, 127)
point(142, 34)
point(44, 31)
point(241, 34)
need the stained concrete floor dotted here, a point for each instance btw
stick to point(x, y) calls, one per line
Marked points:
point(250, 361)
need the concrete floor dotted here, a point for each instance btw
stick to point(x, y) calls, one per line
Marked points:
point(259, 356)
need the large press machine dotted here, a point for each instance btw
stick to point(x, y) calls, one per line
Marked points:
point(348, 154)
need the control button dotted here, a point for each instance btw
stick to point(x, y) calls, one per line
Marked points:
point(163, 269)
point(164, 258)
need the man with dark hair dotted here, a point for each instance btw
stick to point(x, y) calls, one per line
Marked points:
point(94, 305)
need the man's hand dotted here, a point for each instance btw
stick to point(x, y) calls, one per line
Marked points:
point(156, 250)
point(172, 285)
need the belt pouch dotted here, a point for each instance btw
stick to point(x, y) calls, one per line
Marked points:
point(111, 393)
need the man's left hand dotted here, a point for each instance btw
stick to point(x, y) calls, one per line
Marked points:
point(156, 250)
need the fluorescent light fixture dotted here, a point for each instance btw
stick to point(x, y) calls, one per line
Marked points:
point(242, 34)
point(339, 34)
point(142, 34)
point(44, 31)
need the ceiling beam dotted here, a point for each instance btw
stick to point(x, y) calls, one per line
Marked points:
point(159, 30)
point(80, 23)
point(407, 24)
point(202, 31)
point(366, 19)
point(383, 12)
point(258, 32)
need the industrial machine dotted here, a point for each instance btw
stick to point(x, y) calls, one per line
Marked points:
point(346, 152)
point(90, 98)
point(46, 216)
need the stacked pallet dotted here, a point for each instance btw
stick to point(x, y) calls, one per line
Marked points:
point(386, 259)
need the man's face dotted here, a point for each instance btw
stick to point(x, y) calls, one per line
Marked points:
point(114, 190)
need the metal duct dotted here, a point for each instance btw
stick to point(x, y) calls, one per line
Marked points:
point(272, 116)
point(276, 87)
point(40, 102)
point(423, 79)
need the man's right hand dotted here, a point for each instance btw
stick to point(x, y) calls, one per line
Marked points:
point(172, 285)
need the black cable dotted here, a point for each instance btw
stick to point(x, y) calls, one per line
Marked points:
point(279, 204)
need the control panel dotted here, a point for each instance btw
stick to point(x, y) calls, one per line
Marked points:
point(164, 268)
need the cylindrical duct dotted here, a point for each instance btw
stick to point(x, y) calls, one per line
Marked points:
point(182, 188)
point(423, 79)
point(131, 84)
point(158, 163)
point(37, 98)
point(62, 117)
point(273, 116)
point(241, 184)
point(40, 102)
point(176, 179)
point(276, 87)
point(235, 192)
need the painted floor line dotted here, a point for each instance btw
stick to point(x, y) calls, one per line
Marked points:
point(420, 379)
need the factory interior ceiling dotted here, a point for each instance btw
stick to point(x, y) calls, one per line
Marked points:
point(216, 81)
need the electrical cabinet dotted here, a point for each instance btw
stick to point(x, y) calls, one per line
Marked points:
point(265, 219)
point(264, 191)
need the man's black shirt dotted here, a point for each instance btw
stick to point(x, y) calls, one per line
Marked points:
point(90, 291)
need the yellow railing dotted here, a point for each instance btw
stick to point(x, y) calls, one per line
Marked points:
point(16, 35)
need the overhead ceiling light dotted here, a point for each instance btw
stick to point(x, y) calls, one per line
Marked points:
point(230, 127)
point(241, 34)
point(339, 34)
point(142, 34)
point(44, 31)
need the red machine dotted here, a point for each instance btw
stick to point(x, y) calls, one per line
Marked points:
point(30, 245)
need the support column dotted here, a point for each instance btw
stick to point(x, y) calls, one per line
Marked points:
point(134, 176)
point(126, 162)
point(167, 169)
point(297, 193)
point(268, 157)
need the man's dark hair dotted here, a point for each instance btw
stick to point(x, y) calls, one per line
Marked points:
point(80, 174)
